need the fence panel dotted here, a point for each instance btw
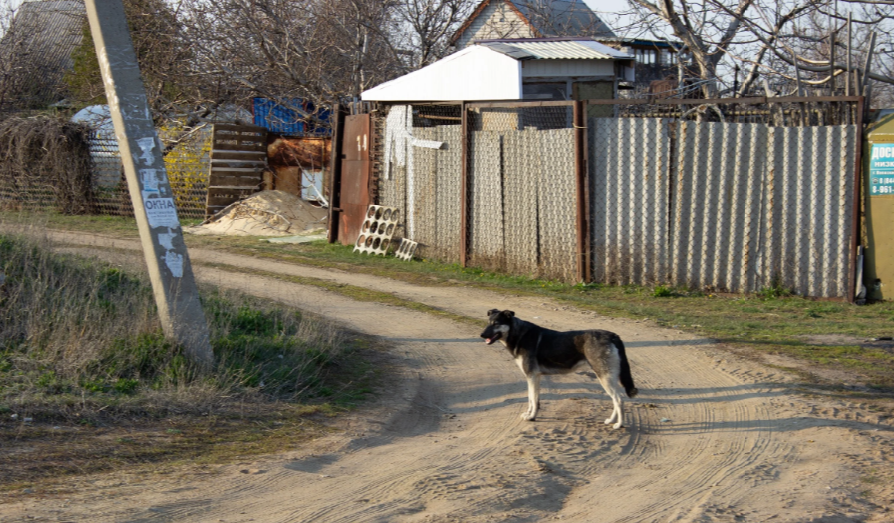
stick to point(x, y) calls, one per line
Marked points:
point(520, 196)
point(629, 199)
point(486, 199)
point(557, 203)
point(720, 170)
point(449, 194)
point(424, 197)
point(109, 188)
point(808, 210)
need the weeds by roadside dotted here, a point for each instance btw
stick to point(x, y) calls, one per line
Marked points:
point(82, 357)
point(826, 334)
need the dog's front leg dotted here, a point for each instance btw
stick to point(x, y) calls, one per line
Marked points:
point(533, 397)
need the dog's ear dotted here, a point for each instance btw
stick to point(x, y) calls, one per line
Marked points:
point(509, 314)
point(492, 311)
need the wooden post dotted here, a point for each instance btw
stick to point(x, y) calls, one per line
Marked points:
point(170, 272)
point(338, 113)
point(847, 76)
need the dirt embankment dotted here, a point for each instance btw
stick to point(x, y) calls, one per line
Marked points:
point(711, 437)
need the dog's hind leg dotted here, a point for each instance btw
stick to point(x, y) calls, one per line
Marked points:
point(609, 383)
point(533, 397)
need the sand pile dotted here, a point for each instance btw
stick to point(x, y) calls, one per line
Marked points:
point(267, 213)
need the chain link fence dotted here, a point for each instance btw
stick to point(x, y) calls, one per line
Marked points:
point(726, 196)
point(187, 164)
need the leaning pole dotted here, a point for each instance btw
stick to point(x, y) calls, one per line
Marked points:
point(170, 272)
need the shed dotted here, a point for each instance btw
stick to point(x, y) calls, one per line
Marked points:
point(569, 68)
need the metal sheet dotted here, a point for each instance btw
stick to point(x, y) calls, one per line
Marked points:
point(718, 192)
point(354, 199)
point(485, 194)
point(810, 201)
point(757, 207)
point(355, 170)
point(629, 199)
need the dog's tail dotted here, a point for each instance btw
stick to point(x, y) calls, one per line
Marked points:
point(626, 378)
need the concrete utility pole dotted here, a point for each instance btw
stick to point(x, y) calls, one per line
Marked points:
point(170, 272)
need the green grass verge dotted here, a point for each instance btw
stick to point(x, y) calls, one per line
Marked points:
point(821, 333)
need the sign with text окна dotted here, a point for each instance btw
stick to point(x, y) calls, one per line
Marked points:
point(881, 170)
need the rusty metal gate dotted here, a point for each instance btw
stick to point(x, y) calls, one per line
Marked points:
point(354, 177)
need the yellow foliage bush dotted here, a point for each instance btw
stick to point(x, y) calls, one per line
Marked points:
point(188, 168)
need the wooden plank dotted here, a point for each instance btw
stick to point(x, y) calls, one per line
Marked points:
point(244, 156)
point(238, 157)
point(236, 171)
point(227, 199)
point(230, 127)
point(225, 188)
point(241, 181)
point(239, 145)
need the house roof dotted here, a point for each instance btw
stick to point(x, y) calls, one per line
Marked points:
point(493, 70)
point(548, 18)
point(555, 49)
point(474, 73)
point(36, 50)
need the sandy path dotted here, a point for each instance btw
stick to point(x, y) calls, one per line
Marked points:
point(710, 438)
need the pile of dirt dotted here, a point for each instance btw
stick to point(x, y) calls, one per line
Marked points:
point(267, 213)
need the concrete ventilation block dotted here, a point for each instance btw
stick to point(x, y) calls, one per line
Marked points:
point(406, 250)
point(377, 229)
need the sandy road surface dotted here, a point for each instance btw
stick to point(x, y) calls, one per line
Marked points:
point(710, 437)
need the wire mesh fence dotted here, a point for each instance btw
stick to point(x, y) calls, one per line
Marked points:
point(721, 195)
point(187, 165)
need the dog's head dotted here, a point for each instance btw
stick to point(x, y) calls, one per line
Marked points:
point(498, 325)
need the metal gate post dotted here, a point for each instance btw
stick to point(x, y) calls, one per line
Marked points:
point(170, 272)
point(857, 211)
point(464, 189)
point(579, 119)
point(339, 112)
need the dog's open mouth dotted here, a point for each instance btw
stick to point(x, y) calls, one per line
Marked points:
point(495, 337)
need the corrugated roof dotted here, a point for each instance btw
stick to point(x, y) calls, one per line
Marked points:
point(556, 50)
point(37, 48)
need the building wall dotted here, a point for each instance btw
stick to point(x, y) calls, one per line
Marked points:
point(552, 68)
point(497, 21)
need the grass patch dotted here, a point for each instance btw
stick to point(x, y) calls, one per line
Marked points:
point(89, 383)
point(771, 321)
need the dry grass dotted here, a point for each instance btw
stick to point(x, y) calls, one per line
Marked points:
point(45, 162)
point(82, 356)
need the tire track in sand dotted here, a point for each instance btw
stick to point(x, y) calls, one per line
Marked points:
point(447, 443)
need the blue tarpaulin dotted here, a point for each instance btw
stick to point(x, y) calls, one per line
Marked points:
point(306, 121)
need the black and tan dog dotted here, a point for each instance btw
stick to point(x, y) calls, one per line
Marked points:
point(539, 351)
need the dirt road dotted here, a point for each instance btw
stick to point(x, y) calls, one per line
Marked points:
point(710, 437)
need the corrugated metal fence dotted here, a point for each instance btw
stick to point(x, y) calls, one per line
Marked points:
point(736, 207)
point(730, 207)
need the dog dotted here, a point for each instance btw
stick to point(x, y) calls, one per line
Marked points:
point(538, 351)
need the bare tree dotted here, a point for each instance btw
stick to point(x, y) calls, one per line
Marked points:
point(786, 43)
point(430, 23)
